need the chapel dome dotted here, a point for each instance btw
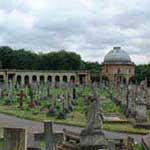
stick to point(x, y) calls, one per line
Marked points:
point(117, 56)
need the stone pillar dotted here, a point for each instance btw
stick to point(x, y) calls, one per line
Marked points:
point(30, 79)
point(61, 80)
point(53, 80)
point(38, 79)
point(77, 81)
point(15, 139)
point(22, 80)
point(49, 139)
point(45, 78)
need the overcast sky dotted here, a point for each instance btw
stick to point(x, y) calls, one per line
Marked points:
point(88, 27)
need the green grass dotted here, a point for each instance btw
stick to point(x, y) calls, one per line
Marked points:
point(137, 147)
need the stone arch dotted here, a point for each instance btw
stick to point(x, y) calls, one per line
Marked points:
point(19, 79)
point(1, 78)
point(72, 79)
point(118, 71)
point(132, 80)
point(65, 78)
point(42, 79)
point(124, 80)
point(105, 80)
point(34, 78)
point(49, 78)
point(26, 80)
point(57, 78)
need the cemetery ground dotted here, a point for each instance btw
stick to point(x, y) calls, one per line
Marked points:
point(76, 117)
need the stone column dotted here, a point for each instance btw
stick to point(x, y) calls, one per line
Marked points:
point(30, 79)
point(15, 139)
point(61, 80)
point(45, 78)
point(23, 79)
point(49, 139)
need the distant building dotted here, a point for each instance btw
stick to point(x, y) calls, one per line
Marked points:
point(117, 67)
point(24, 77)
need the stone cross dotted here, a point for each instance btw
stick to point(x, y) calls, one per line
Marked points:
point(21, 97)
point(49, 140)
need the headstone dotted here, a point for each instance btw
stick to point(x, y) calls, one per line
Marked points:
point(130, 107)
point(62, 114)
point(15, 139)
point(93, 136)
point(74, 93)
point(141, 104)
point(52, 112)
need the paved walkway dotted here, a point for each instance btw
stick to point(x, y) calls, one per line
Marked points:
point(37, 127)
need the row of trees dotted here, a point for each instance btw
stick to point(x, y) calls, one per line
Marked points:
point(62, 60)
point(22, 59)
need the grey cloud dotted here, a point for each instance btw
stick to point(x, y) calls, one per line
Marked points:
point(90, 28)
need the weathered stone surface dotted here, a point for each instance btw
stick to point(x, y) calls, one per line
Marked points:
point(140, 112)
point(93, 139)
point(15, 139)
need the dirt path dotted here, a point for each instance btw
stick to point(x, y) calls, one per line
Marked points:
point(37, 127)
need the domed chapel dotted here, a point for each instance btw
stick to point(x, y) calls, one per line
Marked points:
point(117, 66)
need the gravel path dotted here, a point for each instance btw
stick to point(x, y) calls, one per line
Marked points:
point(37, 127)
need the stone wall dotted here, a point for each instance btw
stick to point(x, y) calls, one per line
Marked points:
point(125, 71)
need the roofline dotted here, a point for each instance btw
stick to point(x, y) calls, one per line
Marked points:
point(50, 71)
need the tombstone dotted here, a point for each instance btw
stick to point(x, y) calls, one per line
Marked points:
point(62, 114)
point(6, 98)
point(141, 112)
point(92, 137)
point(32, 104)
point(74, 93)
point(130, 107)
point(124, 97)
point(140, 104)
point(21, 97)
point(15, 139)
point(48, 88)
point(52, 112)
point(69, 101)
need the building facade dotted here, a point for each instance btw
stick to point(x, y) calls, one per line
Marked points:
point(117, 67)
point(24, 77)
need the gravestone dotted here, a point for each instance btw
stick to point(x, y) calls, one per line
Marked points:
point(15, 139)
point(123, 96)
point(62, 114)
point(140, 104)
point(52, 112)
point(21, 98)
point(92, 137)
point(130, 107)
point(74, 93)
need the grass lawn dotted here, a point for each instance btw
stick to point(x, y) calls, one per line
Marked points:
point(75, 118)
